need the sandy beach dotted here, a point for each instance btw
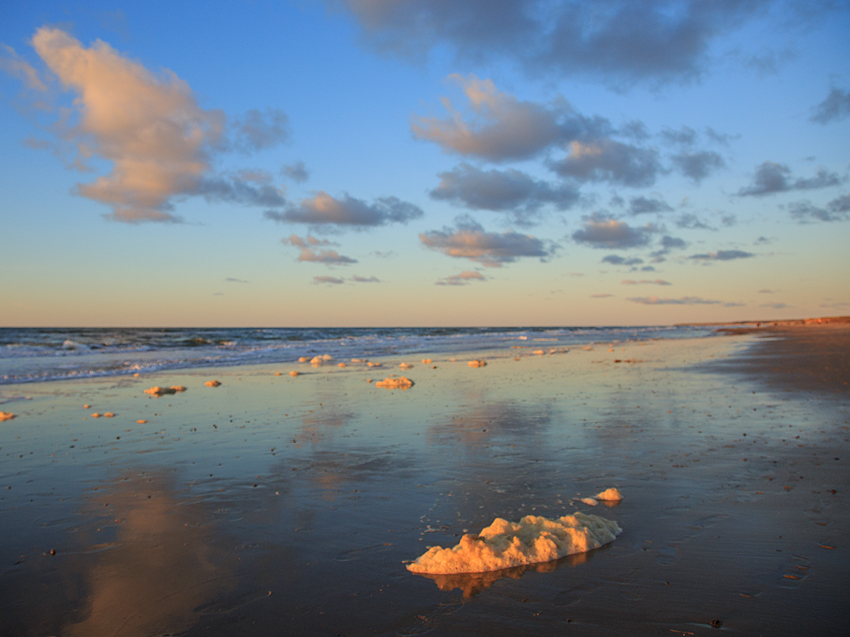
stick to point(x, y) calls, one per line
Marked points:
point(290, 504)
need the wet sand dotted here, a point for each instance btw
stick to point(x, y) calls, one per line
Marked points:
point(288, 505)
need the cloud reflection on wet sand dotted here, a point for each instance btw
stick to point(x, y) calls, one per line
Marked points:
point(159, 569)
point(473, 583)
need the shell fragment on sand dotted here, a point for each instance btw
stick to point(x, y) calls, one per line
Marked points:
point(395, 383)
point(212, 383)
point(532, 540)
point(293, 373)
point(477, 363)
point(6, 415)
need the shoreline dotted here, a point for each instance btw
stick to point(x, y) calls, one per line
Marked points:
point(36, 358)
point(272, 498)
point(812, 356)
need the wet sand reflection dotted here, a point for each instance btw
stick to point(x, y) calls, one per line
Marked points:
point(160, 567)
point(473, 583)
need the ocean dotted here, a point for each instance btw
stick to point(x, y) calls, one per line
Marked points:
point(32, 355)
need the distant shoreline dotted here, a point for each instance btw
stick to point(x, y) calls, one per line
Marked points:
point(807, 355)
point(768, 324)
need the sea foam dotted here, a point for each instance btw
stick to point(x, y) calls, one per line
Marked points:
point(505, 544)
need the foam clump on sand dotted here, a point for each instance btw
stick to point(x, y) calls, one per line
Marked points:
point(532, 540)
point(395, 383)
point(212, 383)
point(609, 495)
point(477, 363)
point(161, 391)
point(6, 415)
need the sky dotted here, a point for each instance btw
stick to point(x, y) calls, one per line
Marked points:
point(423, 162)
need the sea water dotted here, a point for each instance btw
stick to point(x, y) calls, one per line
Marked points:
point(45, 354)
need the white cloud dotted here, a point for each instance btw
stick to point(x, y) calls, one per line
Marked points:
point(834, 107)
point(771, 177)
point(836, 210)
point(685, 300)
point(309, 254)
point(622, 41)
point(722, 255)
point(464, 278)
point(605, 159)
point(616, 259)
point(601, 231)
point(502, 127)
point(640, 205)
point(150, 127)
point(324, 210)
point(644, 282)
point(329, 280)
point(14, 65)
point(259, 130)
point(297, 172)
point(508, 190)
point(490, 249)
point(697, 165)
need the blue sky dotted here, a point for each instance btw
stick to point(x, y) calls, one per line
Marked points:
point(412, 162)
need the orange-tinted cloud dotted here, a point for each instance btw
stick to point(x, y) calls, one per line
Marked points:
point(149, 126)
point(490, 249)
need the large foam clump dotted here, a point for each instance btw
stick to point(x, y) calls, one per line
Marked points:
point(532, 540)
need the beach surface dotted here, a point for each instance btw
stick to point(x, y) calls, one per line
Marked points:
point(290, 504)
